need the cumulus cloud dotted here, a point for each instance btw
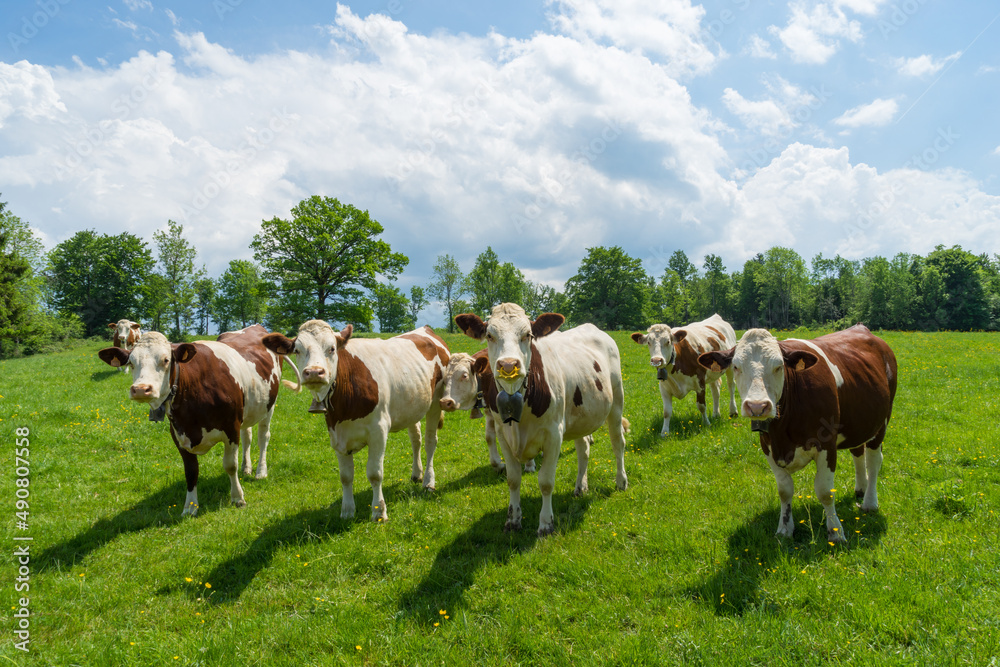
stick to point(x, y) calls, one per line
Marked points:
point(774, 114)
point(136, 5)
point(813, 32)
point(760, 48)
point(874, 114)
point(924, 65)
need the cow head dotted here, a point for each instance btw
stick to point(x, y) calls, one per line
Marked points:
point(759, 364)
point(151, 361)
point(315, 349)
point(660, 341)
point(508, 334)
point(122, 329)
point(461, 382)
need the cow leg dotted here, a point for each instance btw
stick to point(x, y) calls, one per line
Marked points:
point(786, 488)
point(547, 482)
point(582, 459)
point(430, 442)
point(826, 462)
point(191, 477)
point(616, 430)
point(514, 486)
point(873, 459)
point(702, 405)
point(668, 408)
point(345, 463)
point(716, 397)
point(246, 436)
point(263, 439)
point(417, 473)
point(491, 441)
point(733, 412)
point(860, 476)
point(376, 461)
point(229, 465)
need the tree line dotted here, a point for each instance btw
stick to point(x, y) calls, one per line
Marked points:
point(327, 261)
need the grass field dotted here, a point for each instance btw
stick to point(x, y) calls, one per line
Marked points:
point(682, 568)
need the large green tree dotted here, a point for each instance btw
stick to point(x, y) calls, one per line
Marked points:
point(322, 262)
point(176, 261)
point(416, 303)
point(390, 308)
point(609, 289)
point(204, 307)
point(100, 278)
point(491, 283)
point(782, 281)
point(448, 287)
point(964, 274)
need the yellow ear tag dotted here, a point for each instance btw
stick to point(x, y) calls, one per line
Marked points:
point(115, 363)
point(801, 366)
point(716, 368)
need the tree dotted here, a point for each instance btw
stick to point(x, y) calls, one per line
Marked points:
point(748, 303)
point(322, 261)
point(491, 283)
point(390, 308)
point(240, 296)
point(609, 289)
point(537, 299)
point(204, 290)
point(176, 256)
point(416, 303)
point(963, 273)
point(100, 278)
point(782, 282)
point(712, 295)
point(448, 287)
point(680, 263)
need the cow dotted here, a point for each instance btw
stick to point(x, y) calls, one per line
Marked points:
point(552, 386)
point(211, 392)
point(369, 388)
point(126, 334)
point(810, 398)
point(467, 381)
point(674, 353)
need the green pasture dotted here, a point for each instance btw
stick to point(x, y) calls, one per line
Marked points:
point(682, 568)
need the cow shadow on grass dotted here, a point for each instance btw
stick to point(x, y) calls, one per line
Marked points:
point(458, 563)
point(100, 376)
point(646, 436)
point(483, 475)
point(754, 551)
point(162, 508)
point(231, 578)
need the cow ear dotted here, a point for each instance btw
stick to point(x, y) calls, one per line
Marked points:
point(472, 325)
point(639, 337)
point(481, 365)
point(136, 326)
point(278, 343)
point(112, 325)
point(184, 352)
point(344, 335)
point(679, 335)
point(546, 324)
point(114, 356)
point(717, 361)
point(799, 360)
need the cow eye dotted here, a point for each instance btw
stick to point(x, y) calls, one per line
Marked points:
point(525, 337)
point(736, 369)
point(465, 376)
point(778, 369)
point(490, 337)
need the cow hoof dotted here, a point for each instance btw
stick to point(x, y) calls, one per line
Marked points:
point(872, 508)
point(512, 527)
point(190, 510)
point(664, 434)
point(580, 490)
point(529, 466)
point(780, 533)
point(429, 487)
point(545, 531)
point(261, 475)
point(498, 466)
point(416, 479)
point(379, 517)
point(621, 484)
point(245, 472)
point(836, 537)
point(239, 503)
point(347, 513)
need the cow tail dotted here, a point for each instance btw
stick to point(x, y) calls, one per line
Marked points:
point(626, 427)
point(440, 421)
point(296, 386)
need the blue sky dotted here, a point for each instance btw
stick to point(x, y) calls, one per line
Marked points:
point(858, 127)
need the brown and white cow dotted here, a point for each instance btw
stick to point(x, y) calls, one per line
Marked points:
point(371, 388)
point(809, 398)
point(211, 392)
point(674, 353)
point(552, 386)
point(468, 380)
point(126, 334)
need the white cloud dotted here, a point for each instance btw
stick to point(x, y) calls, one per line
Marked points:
point(28, 91)
point(136, 5)
point(666, 29)
point(875, 114)
point(774, 114)
point(924, 65)
point(760, 48)
point(813, 33)
point(174, 21)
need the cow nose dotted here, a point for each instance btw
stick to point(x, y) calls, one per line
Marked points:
point(656, 361)
point(508, 368)
point(141, 391)
point(313, 373)
point(448, 404)
point(757, 408)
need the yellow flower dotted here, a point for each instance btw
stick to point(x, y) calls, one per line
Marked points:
point(442, 612)
point(188, 579)
point(208, 585)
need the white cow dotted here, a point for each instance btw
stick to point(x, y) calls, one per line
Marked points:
point(370, 388)
point(467, 381)
point(552, 386)
point(674, 353)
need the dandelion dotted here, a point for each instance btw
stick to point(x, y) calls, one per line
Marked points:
point(188, 579)
point(442, 612)
point(208, 585)
point(358, 648)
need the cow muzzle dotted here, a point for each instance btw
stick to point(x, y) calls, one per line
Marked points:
point(143, 393)
point(449, 404)
point(758, 409)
